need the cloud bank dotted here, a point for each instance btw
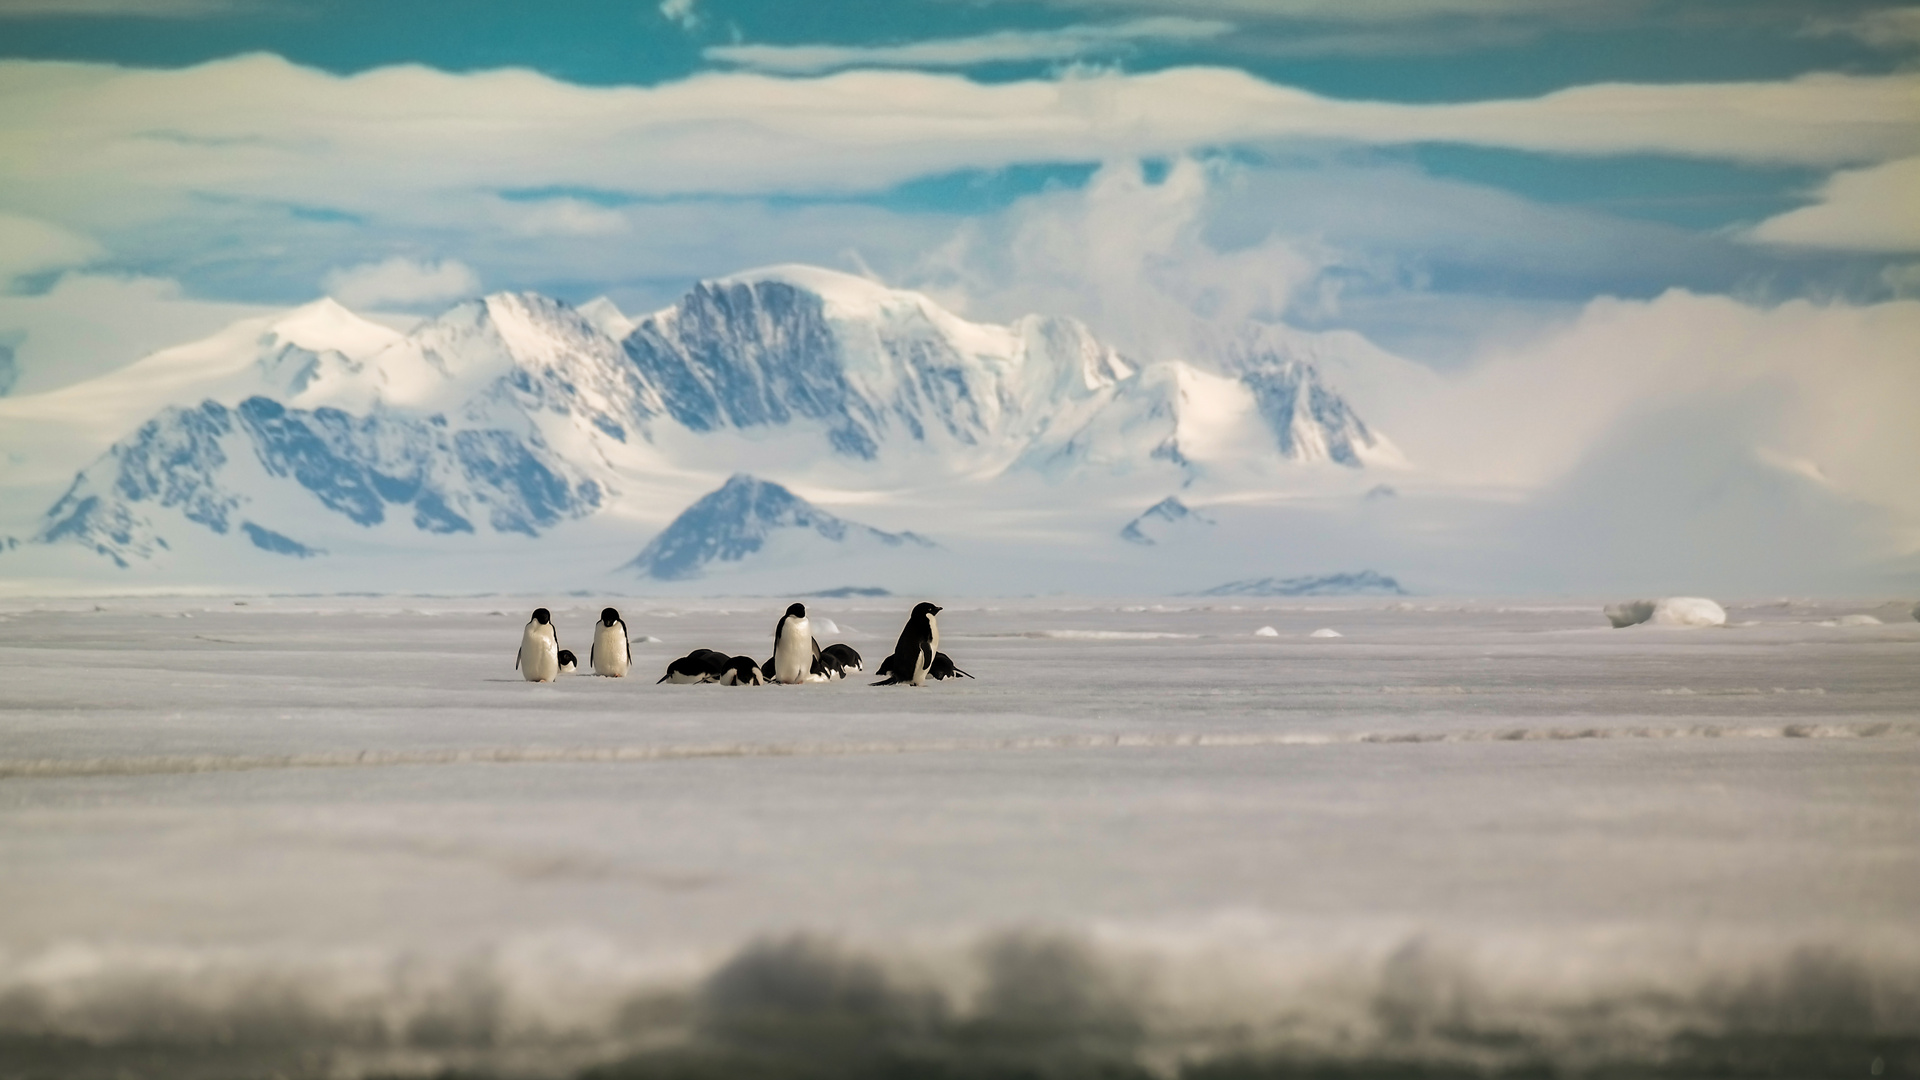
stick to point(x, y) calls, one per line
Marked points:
point(1005, 46)
point(1872, 209)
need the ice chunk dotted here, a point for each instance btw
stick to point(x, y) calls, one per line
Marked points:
point(1631, 613)
point(1266, 631)
point(1688, 611)
point(1671, 611)
point(1326, 632)
point(1858, 620)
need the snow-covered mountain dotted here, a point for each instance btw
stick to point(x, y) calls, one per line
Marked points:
point(209, 462)
point(744, 518)
point(516, 414)
point(1358, 583)
point(1156, 521)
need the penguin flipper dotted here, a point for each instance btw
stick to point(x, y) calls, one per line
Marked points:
point(516, 657)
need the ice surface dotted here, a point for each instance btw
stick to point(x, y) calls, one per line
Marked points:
point(335, 836)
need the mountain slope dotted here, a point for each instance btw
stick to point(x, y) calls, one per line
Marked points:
point(1154, 522)
point(739, 519)
point(213, 463)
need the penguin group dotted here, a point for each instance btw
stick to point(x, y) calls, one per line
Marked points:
point(797, 654)
point(541, 658)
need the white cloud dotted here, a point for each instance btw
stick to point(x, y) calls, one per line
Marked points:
point(1366, 11)
point(682, 13)
point(93, 145)
point(402, 282)
point(90, 324)
point(1127, 256)
point(1873, 209)
point(30, 246)
point(562, 217)
point(1064, 43)
point(1902, 280)
point(1834, 385)
point(1887, 28)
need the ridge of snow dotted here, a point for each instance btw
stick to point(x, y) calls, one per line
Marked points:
point(607, 317)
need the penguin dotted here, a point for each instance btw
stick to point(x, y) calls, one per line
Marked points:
point(539, 655)
point(568, 662)
point(610, 654)
point(942, 668)
point(698, 666)
point(913, 654)
point(741, 671)
point(794, 649)
point(828, 667)
point(845, 656)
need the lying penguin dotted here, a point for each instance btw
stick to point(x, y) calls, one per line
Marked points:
point(741, 671)
point(943, 668)
point(913, 654)
point(698, 666)
point(539, 655)
point(568, 662)
point(842, 656)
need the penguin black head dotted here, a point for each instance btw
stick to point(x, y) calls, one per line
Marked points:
point(609, 616)
point(798, 611)
point(926, 609)
point(542, 616)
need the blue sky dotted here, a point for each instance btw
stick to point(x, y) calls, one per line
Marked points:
point(1464, 182)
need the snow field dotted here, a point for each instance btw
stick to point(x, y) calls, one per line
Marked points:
point(346, 824)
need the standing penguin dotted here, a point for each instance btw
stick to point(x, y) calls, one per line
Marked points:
point(913, 654)
point(610, 654)
point(794, 649)
point(539, 655)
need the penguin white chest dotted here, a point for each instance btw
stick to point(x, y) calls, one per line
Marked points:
point(610, 649)
point(539, 653)
point(923, 661)
point(793, 652)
